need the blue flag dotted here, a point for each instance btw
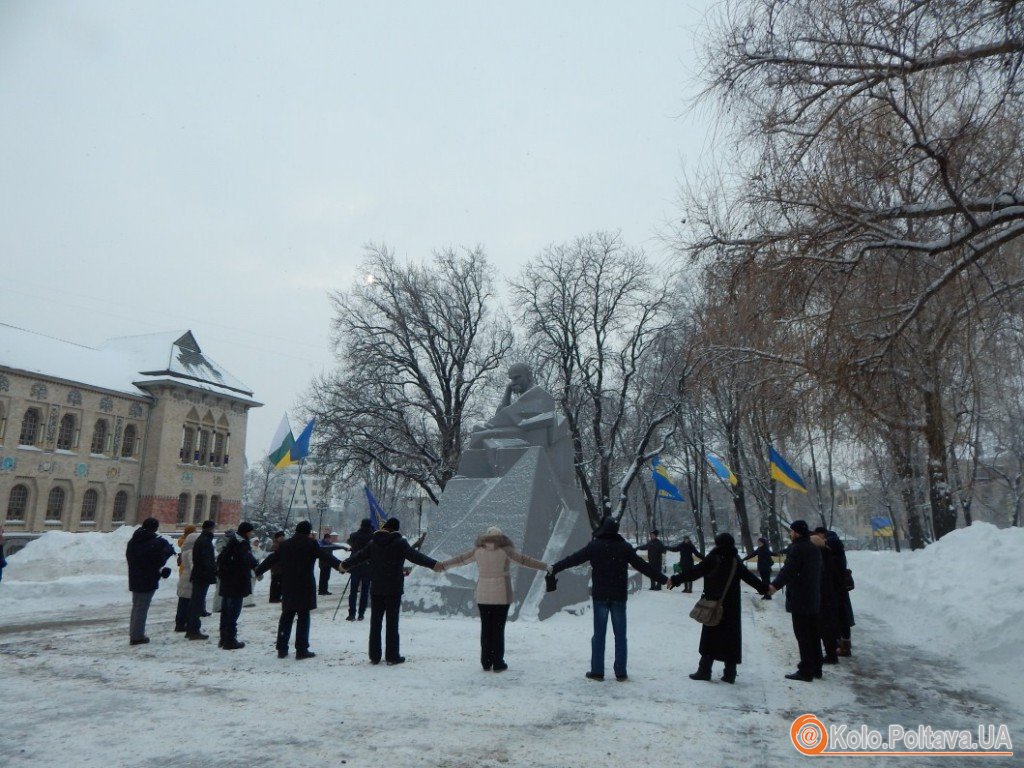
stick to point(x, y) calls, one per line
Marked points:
point(665, 488)
point(377, 515)
point(300, 448)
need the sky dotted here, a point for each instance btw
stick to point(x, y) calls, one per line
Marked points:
point(221, 166)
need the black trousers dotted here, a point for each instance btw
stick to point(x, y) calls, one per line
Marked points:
point(766, 575)
point(805, 627)
point(196, 606)
point(325, 578)
point(276, 580)
point(284, 630)
point(381, 607)
point(492, 634)
point(181, 614)
point(359, 583)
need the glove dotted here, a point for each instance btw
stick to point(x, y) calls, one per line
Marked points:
point(550, 582)
point(165, 573)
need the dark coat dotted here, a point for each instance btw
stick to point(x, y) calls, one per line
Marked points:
point(801, 576)
point(725, 641)
point(656, 550)
point(387, 553)
point(764, 557)
point(146, 554)
point(686, 552)
point(608, 555)
point(235, 566)
point(835, 544)
point(204, 560)
point(357, 541)
point(295, 557)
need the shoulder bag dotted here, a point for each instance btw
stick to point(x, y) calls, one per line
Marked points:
point(709, 612)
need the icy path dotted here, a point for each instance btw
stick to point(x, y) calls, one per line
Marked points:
point(74, 692)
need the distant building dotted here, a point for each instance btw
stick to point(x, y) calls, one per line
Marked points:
point(90, 439)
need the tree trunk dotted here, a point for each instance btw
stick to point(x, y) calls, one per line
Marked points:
point(939, 494)
point(907, 478)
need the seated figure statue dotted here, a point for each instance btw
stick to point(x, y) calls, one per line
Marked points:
point(532, 409)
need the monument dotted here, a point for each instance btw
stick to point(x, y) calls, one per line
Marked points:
point(517, 473)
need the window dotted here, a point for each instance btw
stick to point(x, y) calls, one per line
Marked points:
point(182, 508)
point(17, 503)
point(55, 503)
point(89, 503)
point(200, 507)
point(29, 427)
point(188, 439)
point(120, 507)
point(215, 508)
point(128, 442)
point(218, 449)
point(66, 433)
point(203, 451)
point(99, 437)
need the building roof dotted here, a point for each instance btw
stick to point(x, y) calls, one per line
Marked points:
point(126, 364)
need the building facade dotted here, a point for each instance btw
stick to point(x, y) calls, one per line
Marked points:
point(91, 439)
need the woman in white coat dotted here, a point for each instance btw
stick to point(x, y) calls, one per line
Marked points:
point(492, 553)
point(186, 542)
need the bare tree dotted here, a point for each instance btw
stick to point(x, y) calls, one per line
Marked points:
point(415, 343)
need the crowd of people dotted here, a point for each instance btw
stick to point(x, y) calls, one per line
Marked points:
point(814, 575)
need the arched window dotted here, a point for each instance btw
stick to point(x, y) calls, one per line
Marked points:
point(55, 503)
point(128, 442)
point(120, 507)
point(29, 427)
point(99, 437)
point(66, 433)
point(203, 450)
point(215, 508)
point(188, 440)
point(217, 458)
point(17, 503)
point(90, 500)
point(200, 507)
point(182, 508)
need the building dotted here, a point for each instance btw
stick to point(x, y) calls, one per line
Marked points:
point(143, 426)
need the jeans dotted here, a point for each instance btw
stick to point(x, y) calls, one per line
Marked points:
point(359, 579)
point(284, 630)
point(602, 610)
point(382, 606)
point(140, 610)
point(196, 608)
point(492, 634)
point(230, 610)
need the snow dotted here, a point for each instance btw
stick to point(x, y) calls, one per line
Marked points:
point(933, 645)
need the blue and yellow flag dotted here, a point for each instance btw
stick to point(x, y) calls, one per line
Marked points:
point(722, 469)
point(881, 526)
point(665, 488)
point(785, 474)
point(377, 514)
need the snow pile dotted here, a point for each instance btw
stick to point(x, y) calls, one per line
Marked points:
point(62, 569)
point(961, 594)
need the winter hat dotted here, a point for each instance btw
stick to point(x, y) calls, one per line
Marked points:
point(150, 524)
point(279, 534)
point(365, 524)
point(822, 530)
point(209, 525)
point(245, 527)
point(725, 541)
point(392, 524)
point(655, 531)
point(493, 531)
point(607, 526)
point(800, 528)
point(304, 528)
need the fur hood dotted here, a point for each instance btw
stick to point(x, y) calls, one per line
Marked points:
point(495, 541)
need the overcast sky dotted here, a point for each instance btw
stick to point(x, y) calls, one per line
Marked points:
point(219, 166)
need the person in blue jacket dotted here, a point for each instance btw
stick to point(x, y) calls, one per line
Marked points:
point(146, 553)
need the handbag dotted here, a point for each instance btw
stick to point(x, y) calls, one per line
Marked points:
point(709, 612)
point(848, 580)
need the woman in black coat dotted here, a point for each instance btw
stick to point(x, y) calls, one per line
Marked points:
point(723, 642)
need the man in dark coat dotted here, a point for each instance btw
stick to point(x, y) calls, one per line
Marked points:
point(204, 573)
point(146, 553)
point(387, 553)
point(656, 550)
point(831, 583)
point(296, 557)
point(609, 555)
point(686, 552)
point(765, 561)
point(359, 576)
point(723, 642)
point(328, 543)
point(235, 565)
point(275, 571)
point(801, 576)
point(846, 620)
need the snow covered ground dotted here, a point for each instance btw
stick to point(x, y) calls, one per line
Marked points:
point(937, 643)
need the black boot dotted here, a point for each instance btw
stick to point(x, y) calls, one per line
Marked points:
point(703, 669)
point(729, 673)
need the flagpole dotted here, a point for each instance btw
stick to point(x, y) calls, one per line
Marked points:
point(302, 463)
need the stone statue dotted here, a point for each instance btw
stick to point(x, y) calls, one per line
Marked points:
point(517, 473)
